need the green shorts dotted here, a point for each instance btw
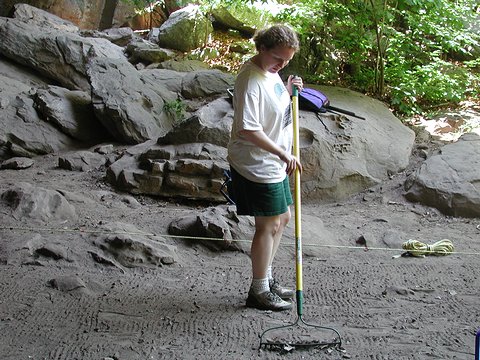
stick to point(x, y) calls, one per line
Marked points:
point(257, 199)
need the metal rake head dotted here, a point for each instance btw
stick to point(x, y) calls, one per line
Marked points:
point(300, 335)
point(287, 347)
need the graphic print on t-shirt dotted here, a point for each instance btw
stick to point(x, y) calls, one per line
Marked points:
point(279, 89)
point(287, 117)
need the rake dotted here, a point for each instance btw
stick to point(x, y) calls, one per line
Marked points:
point(298, 334)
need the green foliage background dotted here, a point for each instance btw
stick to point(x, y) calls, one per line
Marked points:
point(413, 54)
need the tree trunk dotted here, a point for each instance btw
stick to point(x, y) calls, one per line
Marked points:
point(108, 13)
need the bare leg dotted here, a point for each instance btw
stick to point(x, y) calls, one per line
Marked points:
point(268, 233)
point(266, 228)
point(284, 219)
point(260, 295)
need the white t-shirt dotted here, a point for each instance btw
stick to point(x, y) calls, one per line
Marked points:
point(261, 102)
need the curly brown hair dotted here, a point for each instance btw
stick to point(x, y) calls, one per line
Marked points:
point(276, 35)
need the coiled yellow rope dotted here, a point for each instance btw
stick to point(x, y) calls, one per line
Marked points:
point(417, 248)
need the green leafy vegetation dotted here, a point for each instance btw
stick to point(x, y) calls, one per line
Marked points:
point(175, 110)
point(407, 52)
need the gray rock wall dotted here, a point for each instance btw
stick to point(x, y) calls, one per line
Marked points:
point(86, 14)
point(450, 180)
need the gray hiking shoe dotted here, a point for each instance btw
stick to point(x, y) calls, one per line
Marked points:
point(267, 301)
point(279, 290)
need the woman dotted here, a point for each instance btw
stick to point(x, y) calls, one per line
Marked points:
point(259, 153)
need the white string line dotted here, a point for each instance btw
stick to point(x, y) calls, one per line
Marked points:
point(365, 248)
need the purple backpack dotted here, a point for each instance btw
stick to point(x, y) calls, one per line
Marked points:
point(316, 101)
point(312, 100)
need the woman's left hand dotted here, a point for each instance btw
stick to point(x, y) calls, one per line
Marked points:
point(292, 163)
point(294, 80)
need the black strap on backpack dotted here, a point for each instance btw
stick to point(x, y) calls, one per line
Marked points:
point(316, 101)
point(226, 188)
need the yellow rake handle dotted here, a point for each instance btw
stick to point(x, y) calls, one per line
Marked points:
point(298, 212)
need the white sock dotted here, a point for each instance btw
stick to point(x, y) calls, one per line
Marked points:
point(269, 273)
point(260, 286)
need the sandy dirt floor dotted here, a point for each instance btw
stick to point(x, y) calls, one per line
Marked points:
point(382, 306)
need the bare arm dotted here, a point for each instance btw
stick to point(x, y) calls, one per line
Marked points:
point(260, 139)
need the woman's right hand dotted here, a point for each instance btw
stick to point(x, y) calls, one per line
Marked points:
point(294, 80)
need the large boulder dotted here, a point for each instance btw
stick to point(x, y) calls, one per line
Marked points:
point(206, 83)
point(218, 228)
point(42, 18)
point(130, 105)
point(72, 112)
point(186, 29)
point(342, 155)
point(190, 171)
point(58, 55)
point(246, 19)
point(133, 105)
point(210, 124)
point(22, 131)
point(148, 52)
point(119, 36)
point(27, 77)
point(17, 163)
point(91, 14)
point(126, 245)
point(36, 203)
point(170, 79)
point(449, 181)
point(82, 161)
point(185, 65)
